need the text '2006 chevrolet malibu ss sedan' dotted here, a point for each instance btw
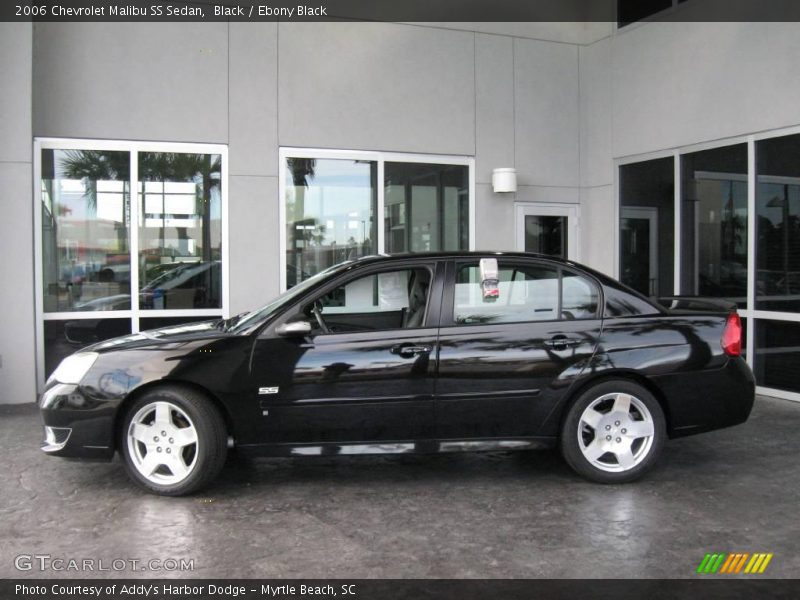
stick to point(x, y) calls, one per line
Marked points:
point(413, 353)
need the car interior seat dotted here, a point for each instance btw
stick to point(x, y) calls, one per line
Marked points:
point(417, 299)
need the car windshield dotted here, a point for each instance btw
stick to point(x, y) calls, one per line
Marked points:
point(257, 316)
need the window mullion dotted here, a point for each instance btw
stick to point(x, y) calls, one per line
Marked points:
point(751, 248)
point(678, 212)
point(379, 209)
point(133, 236)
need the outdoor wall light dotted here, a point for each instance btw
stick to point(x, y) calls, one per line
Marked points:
point(504, 180)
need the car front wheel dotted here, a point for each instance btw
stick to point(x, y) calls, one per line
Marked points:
point(173, 441)
point(614, 432)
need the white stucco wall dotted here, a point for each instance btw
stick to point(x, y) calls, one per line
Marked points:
point(17, 344)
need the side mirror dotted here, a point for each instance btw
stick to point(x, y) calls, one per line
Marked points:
point(294, 329)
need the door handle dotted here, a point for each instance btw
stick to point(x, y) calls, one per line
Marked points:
point(562, 342)
point(410, 351)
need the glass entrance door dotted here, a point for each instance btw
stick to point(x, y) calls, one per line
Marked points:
point(550, 229)
point(639, 244)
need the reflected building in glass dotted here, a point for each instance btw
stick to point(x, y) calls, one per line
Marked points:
point(90, 227)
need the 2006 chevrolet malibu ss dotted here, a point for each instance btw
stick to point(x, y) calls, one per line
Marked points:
point(410, 353)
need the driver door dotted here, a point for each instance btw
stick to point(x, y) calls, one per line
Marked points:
point(365, 373)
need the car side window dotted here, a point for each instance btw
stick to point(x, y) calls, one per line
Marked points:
point(527, 293)
point(380, 301)
point(579, 297)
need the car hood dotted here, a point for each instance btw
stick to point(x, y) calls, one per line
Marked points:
point(175, 334)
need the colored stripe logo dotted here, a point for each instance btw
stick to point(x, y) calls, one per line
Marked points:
point(736, 562)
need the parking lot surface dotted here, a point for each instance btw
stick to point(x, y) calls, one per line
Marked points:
point(500, 514)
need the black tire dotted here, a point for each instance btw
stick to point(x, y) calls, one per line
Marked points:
point(571, 445)
point(209, 452)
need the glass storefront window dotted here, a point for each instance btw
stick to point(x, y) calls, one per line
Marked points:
point(778, 224)
point(714, 223)
point(777, 354)
point(331, 207)
point(90, 222)
point(714, 246)
point(180, 231)
point(647, 226)
point(85, 207)
point(330, 214)
point(63, 337)
point(147, 323)
point(426, 207)
point(744, 338)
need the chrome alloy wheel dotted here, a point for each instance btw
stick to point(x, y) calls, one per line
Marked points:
point(615, 432)
point(162, 443)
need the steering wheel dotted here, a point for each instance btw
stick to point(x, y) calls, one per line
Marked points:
point(316, 310)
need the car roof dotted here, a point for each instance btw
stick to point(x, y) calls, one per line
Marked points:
point(460, 254)
point(456, 254)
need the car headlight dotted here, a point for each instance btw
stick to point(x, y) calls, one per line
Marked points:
point(73, 368)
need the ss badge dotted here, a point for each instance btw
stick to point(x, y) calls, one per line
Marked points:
point(267, 390)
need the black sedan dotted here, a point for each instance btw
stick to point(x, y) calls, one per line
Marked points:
point(414, 353)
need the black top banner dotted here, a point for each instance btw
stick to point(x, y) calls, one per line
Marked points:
point(397, 10)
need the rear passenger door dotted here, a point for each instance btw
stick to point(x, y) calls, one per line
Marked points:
point(504, 364)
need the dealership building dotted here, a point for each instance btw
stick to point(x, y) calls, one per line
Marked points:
point(161, 173)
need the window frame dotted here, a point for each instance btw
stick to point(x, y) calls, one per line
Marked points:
point(437, 271)
point(373, 273)
point(449, 297)
point(381, 158)
point(134, 314)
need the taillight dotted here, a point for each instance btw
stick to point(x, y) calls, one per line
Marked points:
point(732, 336)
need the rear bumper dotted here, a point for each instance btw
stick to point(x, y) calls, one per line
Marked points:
point(74, 425)
point(708, 400)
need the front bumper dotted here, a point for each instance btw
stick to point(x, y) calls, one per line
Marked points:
point(55, 438)
point(76, 425)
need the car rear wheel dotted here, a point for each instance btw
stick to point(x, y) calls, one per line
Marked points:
point(614, 432)
point(173, 441)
